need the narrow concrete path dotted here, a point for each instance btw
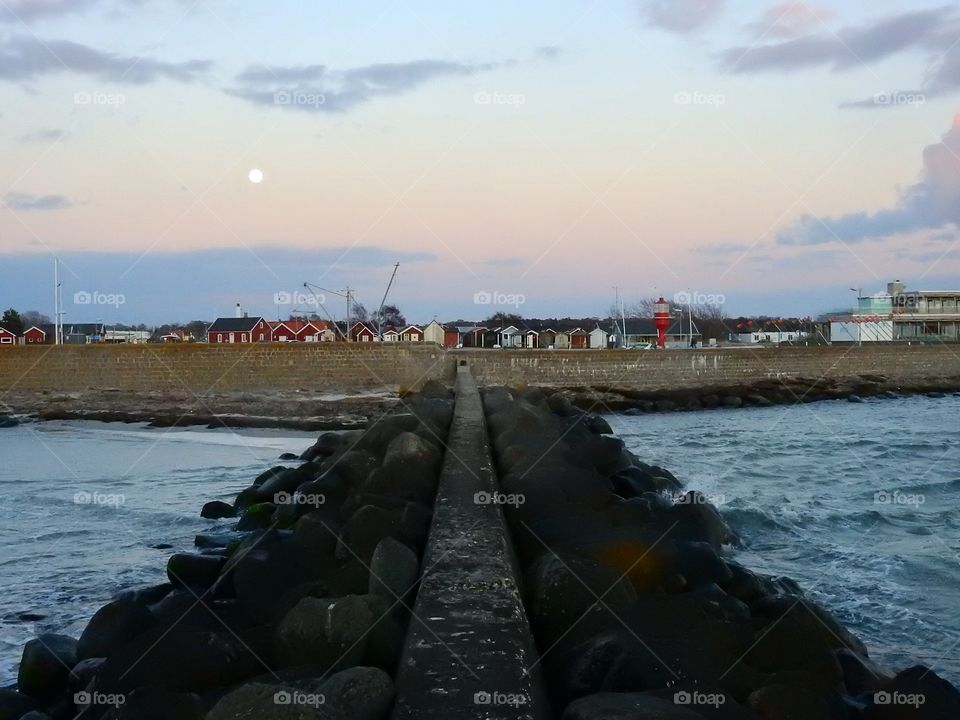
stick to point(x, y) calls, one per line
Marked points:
point(469, 644)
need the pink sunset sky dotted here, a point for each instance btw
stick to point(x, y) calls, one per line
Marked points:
point(773, 154)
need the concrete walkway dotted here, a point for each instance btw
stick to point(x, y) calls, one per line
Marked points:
point(469, 644)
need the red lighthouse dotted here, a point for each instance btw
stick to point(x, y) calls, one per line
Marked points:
point(661, 318)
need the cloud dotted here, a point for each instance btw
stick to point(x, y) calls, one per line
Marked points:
point(317, 88)
point(848, 47)
point(931, 203)
point(25, 202)
point(26, 58)
point(43, 135)
point(15, 11)
point(681, 16)
point(791, 19)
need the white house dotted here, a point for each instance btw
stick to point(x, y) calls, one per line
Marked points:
point(599, 339)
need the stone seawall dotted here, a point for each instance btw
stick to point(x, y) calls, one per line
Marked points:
point(212, 370)
point(716, 368)
point(206, 369)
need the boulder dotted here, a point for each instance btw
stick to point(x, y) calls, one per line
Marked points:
point(360, 693)
point(408, 449)
point(325, 446)
point(732, 401)
point(917, 693)
point(259, 701)
point(627, 706)
point(82, 673)
point(330, 632)
point(197, 572)
point(798, 702)
point(14, 705)
point(258, 516)
point(45, 665)
point(111, 627)
point(217, 510)
point(8, 421)
point(155, 704)
point(598, 425)
point(394, 569)
point(364, 530)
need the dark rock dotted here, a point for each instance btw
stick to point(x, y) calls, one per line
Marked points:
point(158, 704)
point(8, 421)
point(45, 665)
point(325, 446)
point(699, 520)
point(259, 701)
point(627, 706)
point(257, 517)
point(916, 693)
point(436, 390)
point(198, 572)
point(13, 705)
point(935, 394)
point(331, 632)
point(111, 627)
point(35, 715)
point(700, 564)
point(289, 456)
point(854, 399)
point(803, 702)
point(664, 405)
point(758, 400)
point(83, 672)
point(360, 693)
point(364, 530)
point(860, 676)
point(732, 401)
point(393, 570)
point(599, 425)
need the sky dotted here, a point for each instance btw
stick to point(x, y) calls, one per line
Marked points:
point(182, 156)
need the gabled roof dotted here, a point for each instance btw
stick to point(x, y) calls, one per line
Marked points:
point(35, 327)
point(246, 324)
point(363, 326)
point(391, 331)
point(412, 327)
point(4, 331)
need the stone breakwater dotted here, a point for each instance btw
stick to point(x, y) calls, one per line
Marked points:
point(295, 606)
point(638, 609)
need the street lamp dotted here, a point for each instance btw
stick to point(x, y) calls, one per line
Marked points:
point(859, 292)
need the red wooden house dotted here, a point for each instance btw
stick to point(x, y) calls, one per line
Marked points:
point(7, 337)
point(239, 330)
point(411, 334)
point(35, 336)
point(361, 333)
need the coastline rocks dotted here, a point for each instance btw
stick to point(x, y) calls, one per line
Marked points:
point(112, 626)
point(329, 632)
point(217, 510)
point(393, 570)
point(14, 705)
point(45, 665)
point(259, 701)
point(360, 693)
point(8, 421)
point(627, 706)
point(197, 572)
point(916, 693)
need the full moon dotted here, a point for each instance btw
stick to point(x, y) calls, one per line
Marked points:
point(256, 176)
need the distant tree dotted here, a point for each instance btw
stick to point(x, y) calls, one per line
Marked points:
point(390, 315)
point(358, 313)
point(32, 317)
point(502, 319)
point(197, 328)
point(12, 321)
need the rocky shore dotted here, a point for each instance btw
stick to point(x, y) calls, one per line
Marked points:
point(764, 393)
point(294, 606)
point(287, 410)
point(637, 607)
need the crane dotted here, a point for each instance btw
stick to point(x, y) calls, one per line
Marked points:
point(384, 301)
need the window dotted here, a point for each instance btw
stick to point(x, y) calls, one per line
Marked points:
point(261, 337)
point(243, 337)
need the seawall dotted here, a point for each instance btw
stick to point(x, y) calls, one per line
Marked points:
point(212, 370)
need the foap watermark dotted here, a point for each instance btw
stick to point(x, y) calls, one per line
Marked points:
point(914, 700)
point(298, 698)
point(699, 698)
point(495, 297)
point(298, 298)
point(99, 298)
point(85, 699)
point(299, 98)
point(298, 498)
point(896, 97)
point(696, 97)
point(84, 497)
point(498, 498)
point(698, 498)
point(699, 298)
point(885, 497)
point(99, 98)
point(485, 97)
point(499, 699)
